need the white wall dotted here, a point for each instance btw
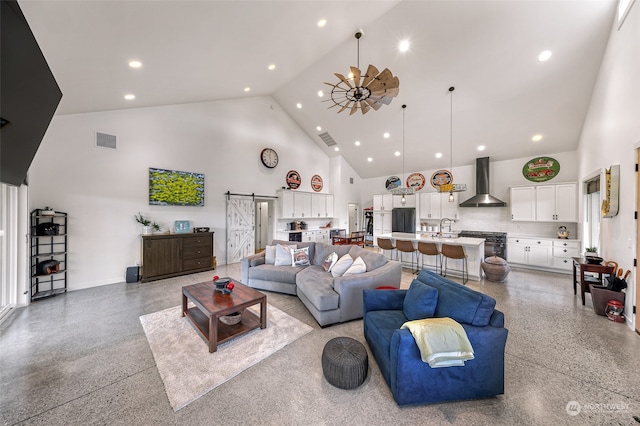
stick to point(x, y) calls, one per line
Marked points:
point(345, 191)
point(103, 189)
point(503, 174)
point(610, 136)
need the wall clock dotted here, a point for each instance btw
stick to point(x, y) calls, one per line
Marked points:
point(269, 157)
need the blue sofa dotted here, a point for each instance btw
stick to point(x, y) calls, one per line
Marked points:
point(413, 381)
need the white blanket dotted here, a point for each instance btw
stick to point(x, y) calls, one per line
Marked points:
point(442, 341)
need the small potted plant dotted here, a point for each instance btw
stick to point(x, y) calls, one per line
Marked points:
point(591, 252)
point(155, 226)
point(146, 224)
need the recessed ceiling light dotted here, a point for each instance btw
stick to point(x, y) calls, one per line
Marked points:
point(397, 153)
point(536, 138)
point(404, 45)
point(299, 105)
point(438, 155)
point(357, 143)
point(271, 67)
point(336, 149)
point(544, 55)
point(135, 64)
point(481, 148)
point(320, 93)
point(247, 89)
point(129, 97)
point(369, 159)
point(318, 128)
point(386, 135)
point(322, 23)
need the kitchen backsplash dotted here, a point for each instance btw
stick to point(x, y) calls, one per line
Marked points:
point(498, 219)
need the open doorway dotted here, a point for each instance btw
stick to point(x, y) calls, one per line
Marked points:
point(353, 218)
point(264, 229)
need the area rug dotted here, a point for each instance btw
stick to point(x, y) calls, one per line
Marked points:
point(182, 356)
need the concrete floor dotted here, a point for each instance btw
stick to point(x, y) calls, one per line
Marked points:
point(83, 358)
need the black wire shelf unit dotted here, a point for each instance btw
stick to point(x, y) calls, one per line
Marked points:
point(48, 262)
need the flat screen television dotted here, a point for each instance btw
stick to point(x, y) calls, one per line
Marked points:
point(175, 188)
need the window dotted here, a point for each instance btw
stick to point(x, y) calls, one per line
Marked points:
point(623, 10)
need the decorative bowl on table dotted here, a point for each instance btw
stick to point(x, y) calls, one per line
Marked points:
point(594, 260)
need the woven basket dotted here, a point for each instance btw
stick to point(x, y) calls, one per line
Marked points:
point(231, 319)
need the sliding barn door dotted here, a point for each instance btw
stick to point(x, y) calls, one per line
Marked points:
point(240, 228)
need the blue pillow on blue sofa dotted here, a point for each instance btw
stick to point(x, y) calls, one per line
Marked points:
point(420, 301)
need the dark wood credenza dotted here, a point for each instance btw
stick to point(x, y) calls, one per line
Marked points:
point(170, 255)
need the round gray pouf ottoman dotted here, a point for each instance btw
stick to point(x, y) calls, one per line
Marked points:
point(345, 362)
point(495, 268)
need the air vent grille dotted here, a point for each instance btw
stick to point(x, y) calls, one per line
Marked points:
point(326, 137)
point(105, 141)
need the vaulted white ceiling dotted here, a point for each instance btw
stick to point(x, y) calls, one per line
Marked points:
point(196, 51)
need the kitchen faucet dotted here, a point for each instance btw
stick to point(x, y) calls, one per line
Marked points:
point(441, 221)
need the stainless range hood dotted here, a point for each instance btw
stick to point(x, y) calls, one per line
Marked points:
point(482, 197)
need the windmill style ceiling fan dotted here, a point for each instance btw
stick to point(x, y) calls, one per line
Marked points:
point(363, 92)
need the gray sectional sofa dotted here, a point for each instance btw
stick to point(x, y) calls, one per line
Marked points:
point(330, 300)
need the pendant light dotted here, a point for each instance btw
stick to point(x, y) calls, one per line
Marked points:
point(403, 190)
point(451, 89)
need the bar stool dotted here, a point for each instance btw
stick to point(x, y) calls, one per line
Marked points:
point(455, 252)
point(407, 247)
point(430, 249)
point(387, 244)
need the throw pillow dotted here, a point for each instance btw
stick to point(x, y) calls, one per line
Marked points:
point(270, 255)
point(420, 301)
point(300, 257)
point(330, 261)
point(283, 254)
point(341, 265)
point(358, 267)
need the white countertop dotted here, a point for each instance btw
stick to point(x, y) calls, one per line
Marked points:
point(461, 241)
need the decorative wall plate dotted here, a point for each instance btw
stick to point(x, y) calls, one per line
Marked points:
point(441, 177)
point(293, 179)
point(541, 169)
point(316, 183)
point(393, 182)
point(416, 181)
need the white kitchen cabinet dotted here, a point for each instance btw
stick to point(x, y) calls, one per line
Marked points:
point(304, 205)
point(436, 205)
point(322, 236)
point(430, 205)
point(318, 205)
point(523, 203)
point(308, 236)
point(529, 251)
point(329, 205)
point(563, 251)
point(382, 223)
point(409, 201)
point(545, 203)
point(382, 202)
point(557, 203)
point(287, 209)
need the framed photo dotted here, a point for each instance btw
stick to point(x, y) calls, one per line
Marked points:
point(182, 226)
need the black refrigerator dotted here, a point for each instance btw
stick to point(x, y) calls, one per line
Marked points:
point(403, 220)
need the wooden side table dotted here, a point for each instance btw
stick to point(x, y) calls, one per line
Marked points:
point(581, 262)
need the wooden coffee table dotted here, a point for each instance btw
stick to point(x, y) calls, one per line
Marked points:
point(210, 305)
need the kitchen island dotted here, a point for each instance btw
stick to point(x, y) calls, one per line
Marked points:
point(473, 248)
